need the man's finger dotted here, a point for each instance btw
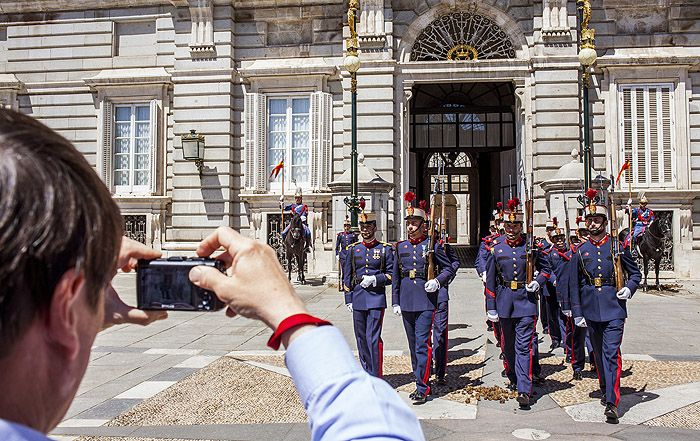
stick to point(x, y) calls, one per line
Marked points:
point(223, 237)
point(140, 317)
point(230, 312)
point(136, 250)
point(210, 279)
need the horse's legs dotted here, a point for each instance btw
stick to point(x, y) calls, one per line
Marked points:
point(289, 265)
point(657, 264)
point(646, 271)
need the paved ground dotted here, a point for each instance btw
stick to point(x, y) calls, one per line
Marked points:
point(207, 377)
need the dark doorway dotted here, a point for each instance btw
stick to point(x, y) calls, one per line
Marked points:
point(470, 128)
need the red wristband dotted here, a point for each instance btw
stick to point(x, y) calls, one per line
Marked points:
point(289, 323)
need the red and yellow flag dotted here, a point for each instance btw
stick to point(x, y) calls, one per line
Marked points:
point(625, 166)
point(276, 170)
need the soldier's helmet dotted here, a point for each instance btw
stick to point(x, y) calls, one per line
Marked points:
point(593, 204)
point(298, 193)
point(555, 229)
point(366, 217)
point(513, 212)
point(643, 200)
point(411, 210)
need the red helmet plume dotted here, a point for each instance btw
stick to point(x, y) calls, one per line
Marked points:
point(513, 204)
point(409, 196)
point(591, 193)
point(499, 205)
point(555, 222)
point(423, 205)
point(362, 204)
point(579, 219)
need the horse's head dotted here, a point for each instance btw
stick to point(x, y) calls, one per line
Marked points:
point(296, 227)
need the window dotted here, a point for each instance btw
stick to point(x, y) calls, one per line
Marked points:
point(132, 149)
point(647, 134)
point(288, 135)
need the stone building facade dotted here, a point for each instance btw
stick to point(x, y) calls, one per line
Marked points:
point(489, 88)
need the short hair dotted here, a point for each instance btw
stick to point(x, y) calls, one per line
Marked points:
point(55, 214)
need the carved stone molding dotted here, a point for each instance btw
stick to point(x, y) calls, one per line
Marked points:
point(202, 35)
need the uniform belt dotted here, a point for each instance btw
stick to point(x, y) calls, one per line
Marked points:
point(600, 281)
point(512, 284)
point(413, 274)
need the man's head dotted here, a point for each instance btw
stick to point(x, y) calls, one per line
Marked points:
point(513, 229)
point(298, 196)
point(643, 201)
point(415, 226)
point(559, 240)
point(60, 233)
point(367, 230)
point(347, 226)
point(596, 223)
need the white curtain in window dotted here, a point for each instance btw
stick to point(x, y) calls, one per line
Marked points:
point(646, 134)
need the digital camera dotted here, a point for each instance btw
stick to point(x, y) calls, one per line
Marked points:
point(164, 284)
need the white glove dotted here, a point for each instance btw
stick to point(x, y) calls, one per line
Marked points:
point(624, 293)
point(483, 277)
point(337, 257)
point(580, 322)
point(554, 283)
point(303, 218)
point(432, 285)
point(349, 306)
point(281, 199)
point(397, 310)
point(368, 280)
point(629, 202)
point(492, 315)
point(566, 312)
point(532, 286)
point(536, 273)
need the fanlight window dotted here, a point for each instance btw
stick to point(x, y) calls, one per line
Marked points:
point(462, 36)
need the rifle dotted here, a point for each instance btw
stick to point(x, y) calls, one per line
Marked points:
point(566, 217)
point(431, 232)
point(443, 221)
point(530, 243)
point(614, 240)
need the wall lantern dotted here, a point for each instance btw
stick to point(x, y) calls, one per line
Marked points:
point(193, 148)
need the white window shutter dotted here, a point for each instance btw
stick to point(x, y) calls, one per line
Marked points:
point(321, 135)
point(107, 140)
point(261, 145)
point(254, 141)
point(154, 145)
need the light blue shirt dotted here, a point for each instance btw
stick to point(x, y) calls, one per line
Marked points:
point(16, 432)
point(342, 400)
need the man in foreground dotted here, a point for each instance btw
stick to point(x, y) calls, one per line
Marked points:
point(61, 236)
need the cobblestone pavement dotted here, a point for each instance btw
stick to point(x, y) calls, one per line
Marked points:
point(207, 377)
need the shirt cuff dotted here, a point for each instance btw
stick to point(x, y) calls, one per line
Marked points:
point(318, 357)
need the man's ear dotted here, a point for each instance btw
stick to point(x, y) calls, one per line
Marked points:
point(62, 319)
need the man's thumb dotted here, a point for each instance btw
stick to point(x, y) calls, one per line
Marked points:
point(208, 278)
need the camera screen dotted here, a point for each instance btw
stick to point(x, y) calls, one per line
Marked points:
point(167, 287)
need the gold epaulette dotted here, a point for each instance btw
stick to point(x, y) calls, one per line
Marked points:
point(347, 248)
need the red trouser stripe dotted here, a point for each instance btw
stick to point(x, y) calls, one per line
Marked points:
point(447, 327)
point(503, 348)
point(426, 374)
point(534, 318)
point(380, 345)
point(572, 332)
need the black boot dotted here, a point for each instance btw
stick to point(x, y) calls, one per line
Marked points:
point(611, 414)
point(523, 399)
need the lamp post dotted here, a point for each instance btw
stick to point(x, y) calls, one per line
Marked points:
point(587, 57)
point(193, 148)
point(352, 65)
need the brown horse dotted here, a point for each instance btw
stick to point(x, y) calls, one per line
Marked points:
point(295, 247)
point(650, 245)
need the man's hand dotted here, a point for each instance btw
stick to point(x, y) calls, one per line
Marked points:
point(349, 306)
point(532, 286)
point(483, 277)
point(580, 322)
point(566, 312)
point(270, 299)
point(397, 310)
point(492, 315)
point(116, 312)
point(629, 202)
point(368, 281)
point(624, 294)
point(432, 285)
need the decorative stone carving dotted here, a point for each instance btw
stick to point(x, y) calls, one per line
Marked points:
point(9, 86)
point(370, 28)
point(202, 35)
point(554, 16)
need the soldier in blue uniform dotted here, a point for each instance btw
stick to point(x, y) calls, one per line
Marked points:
point(549, 304)
point(342, 241)
point(414, 296)
point(300, 208)
point(367, 266)
point(441, 322)
point(598, 303)
point(513, 302)
point(641, 218)
point(558, 258)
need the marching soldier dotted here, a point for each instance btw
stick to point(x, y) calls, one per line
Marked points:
point(366, 273)
point(441, 322)
point(480, 262)
point(414, 296)
point(597, 303)
point(558, 258)
point(300, 208)
point(513, 303)
point(549, 304)
point(342, 241)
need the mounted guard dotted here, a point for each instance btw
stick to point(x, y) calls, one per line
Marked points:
point(300, 208)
